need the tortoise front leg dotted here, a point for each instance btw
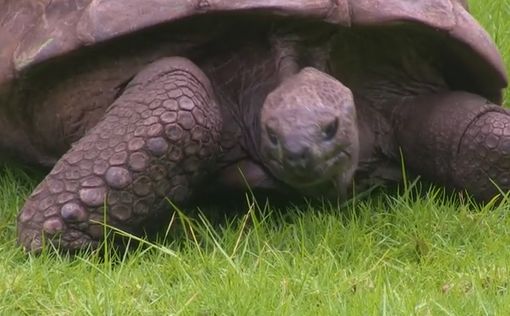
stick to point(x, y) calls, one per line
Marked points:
point(457, 138)
point(153, 142)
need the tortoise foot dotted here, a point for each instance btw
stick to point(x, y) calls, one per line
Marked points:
point(458, 139)
point(482, 165)
point(154, 142)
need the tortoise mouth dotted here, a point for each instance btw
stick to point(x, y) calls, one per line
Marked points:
point(313, 173)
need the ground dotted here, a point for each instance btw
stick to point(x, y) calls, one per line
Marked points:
point(423, 254)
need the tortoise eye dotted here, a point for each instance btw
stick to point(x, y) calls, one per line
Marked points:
point(329, 131)
point(272, 136)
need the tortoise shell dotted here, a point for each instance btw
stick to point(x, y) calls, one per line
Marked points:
point(34, 32)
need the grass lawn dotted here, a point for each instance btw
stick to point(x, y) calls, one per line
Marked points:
point(390, 255)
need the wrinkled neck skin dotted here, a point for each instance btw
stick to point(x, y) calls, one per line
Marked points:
point(241, 81)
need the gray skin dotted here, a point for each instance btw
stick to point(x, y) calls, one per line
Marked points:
point(311, 108)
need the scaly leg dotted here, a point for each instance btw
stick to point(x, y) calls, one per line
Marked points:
point(155, 141)
point(457, 138)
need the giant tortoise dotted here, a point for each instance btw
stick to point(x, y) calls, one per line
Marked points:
point(134, 103)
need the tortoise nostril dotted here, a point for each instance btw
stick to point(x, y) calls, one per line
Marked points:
point(297, 154)
point(329, 131)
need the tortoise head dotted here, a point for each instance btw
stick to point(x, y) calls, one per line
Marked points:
point(309, 130)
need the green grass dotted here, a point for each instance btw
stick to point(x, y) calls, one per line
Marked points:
point(390, 255)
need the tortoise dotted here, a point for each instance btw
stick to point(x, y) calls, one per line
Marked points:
point(131, 103)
